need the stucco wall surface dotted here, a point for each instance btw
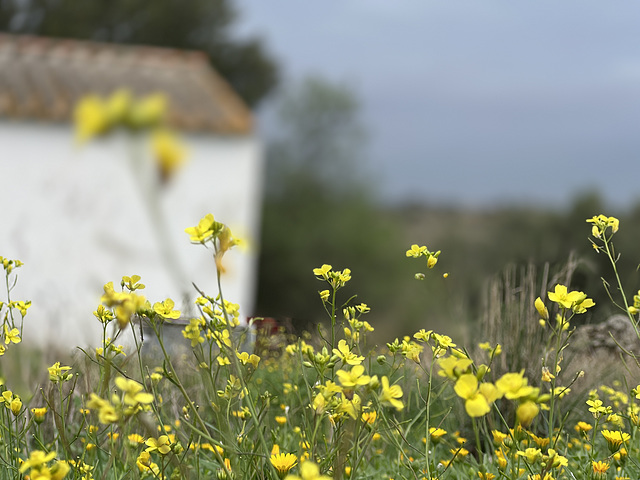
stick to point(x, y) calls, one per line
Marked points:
point(79, 216)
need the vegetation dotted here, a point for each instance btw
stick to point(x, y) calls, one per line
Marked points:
point(326, 404)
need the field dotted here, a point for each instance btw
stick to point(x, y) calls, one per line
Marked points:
point(328, 404)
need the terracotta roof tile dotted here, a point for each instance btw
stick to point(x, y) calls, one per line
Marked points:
point(42, 78)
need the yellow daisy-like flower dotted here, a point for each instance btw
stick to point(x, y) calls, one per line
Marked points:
point(615, 438)
point(600, 467)
point(283, 462)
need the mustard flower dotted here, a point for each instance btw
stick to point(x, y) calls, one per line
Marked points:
point(162, 444)
point(531, 455)
point(103, 314)
point(322, 272)
point(553, 460)
point(148, 111)
point(37, 460)
point(58, 373)
point(416, 251)
point(165, 309)
point(324, 295)
point(22, 306)
point(245, 358)
point(476, 404)
point(169, 153)
point(145, 464)
point(353, 378)
point(206, 229)
point(346, 355)
point(391, 395)
point(133, 394)
point(514, 386)
point(90, 118)
point(11, 336)
point(526, 412)
point(542, 309)
point(601, 223)
point(106, 411)
point(452, 367)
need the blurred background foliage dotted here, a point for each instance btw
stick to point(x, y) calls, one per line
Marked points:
point(320, 207)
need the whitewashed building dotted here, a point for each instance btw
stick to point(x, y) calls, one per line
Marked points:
point(78, 217)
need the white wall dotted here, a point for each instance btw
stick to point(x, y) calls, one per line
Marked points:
point(77, 219)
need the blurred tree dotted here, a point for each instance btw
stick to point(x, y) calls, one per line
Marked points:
point(319, 207)
point(198, 25)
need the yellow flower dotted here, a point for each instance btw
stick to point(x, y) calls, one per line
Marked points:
point(133, 394)
point(391, 395)
point(38, 414)
point(283, 462)
point(162, 444)
point(90, 118)
point(436, 434)
point(542, 310)
point(57, 373)
point(600, 467)
point(526, 412)
point(615, 439)
point(353, 378)
point(453, 367)
point(514, 385)
point(11, 336)
point(165, 309)
point(169, 153)
point(16, 406)
point(486, 475)
point(575, 300)
point(582, 427)
point(324, 295)
point(476, 404)
point(148, 111)
point(106, 411)
point(601, 223)
point(206, 229)
point(37, 460)
point(532, 455)
point(323, 271)
point(308, 471)
point(346, 355)
point(416, 251)
point(369, 417)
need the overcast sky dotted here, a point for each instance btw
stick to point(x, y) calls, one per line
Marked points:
point(478, 102)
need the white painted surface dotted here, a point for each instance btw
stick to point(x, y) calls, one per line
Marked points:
point(77, 218)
